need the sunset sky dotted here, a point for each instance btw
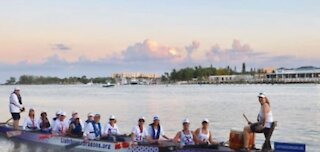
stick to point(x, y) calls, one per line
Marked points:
point(99, 37)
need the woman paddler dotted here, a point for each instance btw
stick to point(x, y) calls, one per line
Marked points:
point(139, 132)
point(155, 131)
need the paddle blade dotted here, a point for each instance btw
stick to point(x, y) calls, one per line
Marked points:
point(13, 133)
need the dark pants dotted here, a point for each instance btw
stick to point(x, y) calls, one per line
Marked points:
point(15, 116)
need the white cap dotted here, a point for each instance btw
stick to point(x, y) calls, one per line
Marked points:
point(16, 88)
point(205, 120)
point(186, 120)
point(143, 118)
point(156, 118)
point(43, 111)
point(262, 95)
point(74, 112)
point(90, 114)
point(112, 117)
point(62, 113)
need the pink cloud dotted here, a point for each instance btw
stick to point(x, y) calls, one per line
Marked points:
point(152, 50)
point(237, 53)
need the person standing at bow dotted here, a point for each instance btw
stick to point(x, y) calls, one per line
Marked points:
point(16, 106)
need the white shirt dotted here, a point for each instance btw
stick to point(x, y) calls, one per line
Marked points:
point(28, 124)
point(150, 132)
point(60, 127)
point(111, 130)
point(139, 136)
point(14, 104)
point(89, 131)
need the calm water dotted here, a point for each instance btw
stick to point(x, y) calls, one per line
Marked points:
point(295, 107)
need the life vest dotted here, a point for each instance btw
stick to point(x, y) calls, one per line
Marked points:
point(77, 128)
point(19, 97)
point(97, 131)
point(154, 134)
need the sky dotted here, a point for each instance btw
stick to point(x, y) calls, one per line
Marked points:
point(97, 37)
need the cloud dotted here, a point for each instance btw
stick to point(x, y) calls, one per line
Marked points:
point(192, 48)
point(150, 50)
point(151, 56)
point(236, 54)
point(61, 47)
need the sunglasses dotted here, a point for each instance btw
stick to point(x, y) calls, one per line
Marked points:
point(141, 120)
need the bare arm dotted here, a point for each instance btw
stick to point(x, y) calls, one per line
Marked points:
point(177, 137)
point(195, 135)
point(266, 109)
point(211, 138)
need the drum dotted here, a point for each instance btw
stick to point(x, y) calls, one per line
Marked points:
point(236, 140)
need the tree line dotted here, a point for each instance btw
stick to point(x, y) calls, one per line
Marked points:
point(31, 79)
point(200, 73)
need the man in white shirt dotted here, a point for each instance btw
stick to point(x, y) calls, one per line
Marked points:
point(15, 106)
point(61, 125)
point(93, 130)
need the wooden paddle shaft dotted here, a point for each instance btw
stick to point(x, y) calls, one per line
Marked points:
point(246, 117)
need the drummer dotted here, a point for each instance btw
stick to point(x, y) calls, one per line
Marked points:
point(155, 131)
point(203, 135)
point(186, 136)
point(111, 127)
point(139, 132)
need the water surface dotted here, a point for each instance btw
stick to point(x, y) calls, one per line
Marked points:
point(295, 107)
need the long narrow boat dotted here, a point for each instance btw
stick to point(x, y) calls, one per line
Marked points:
point(104, 146)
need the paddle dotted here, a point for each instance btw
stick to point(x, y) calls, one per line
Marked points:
point(246, 118)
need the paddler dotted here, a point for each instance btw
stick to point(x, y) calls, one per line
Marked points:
point(139, 132)
point(93, 131)
point(44, 124)
point(75, 127)
point(111, 127)
point(155, 131)
point(186, 136)
point(203, 135)
point(31, 123)
point(56, 117)
point(61, 125)
point(16, 106)
point(89, 120)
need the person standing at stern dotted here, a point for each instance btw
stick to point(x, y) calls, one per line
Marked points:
point(16, 107)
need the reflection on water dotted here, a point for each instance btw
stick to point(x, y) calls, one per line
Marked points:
point(295, 107)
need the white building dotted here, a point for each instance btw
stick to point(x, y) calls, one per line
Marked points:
point(306, 72)
point(230, 78)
